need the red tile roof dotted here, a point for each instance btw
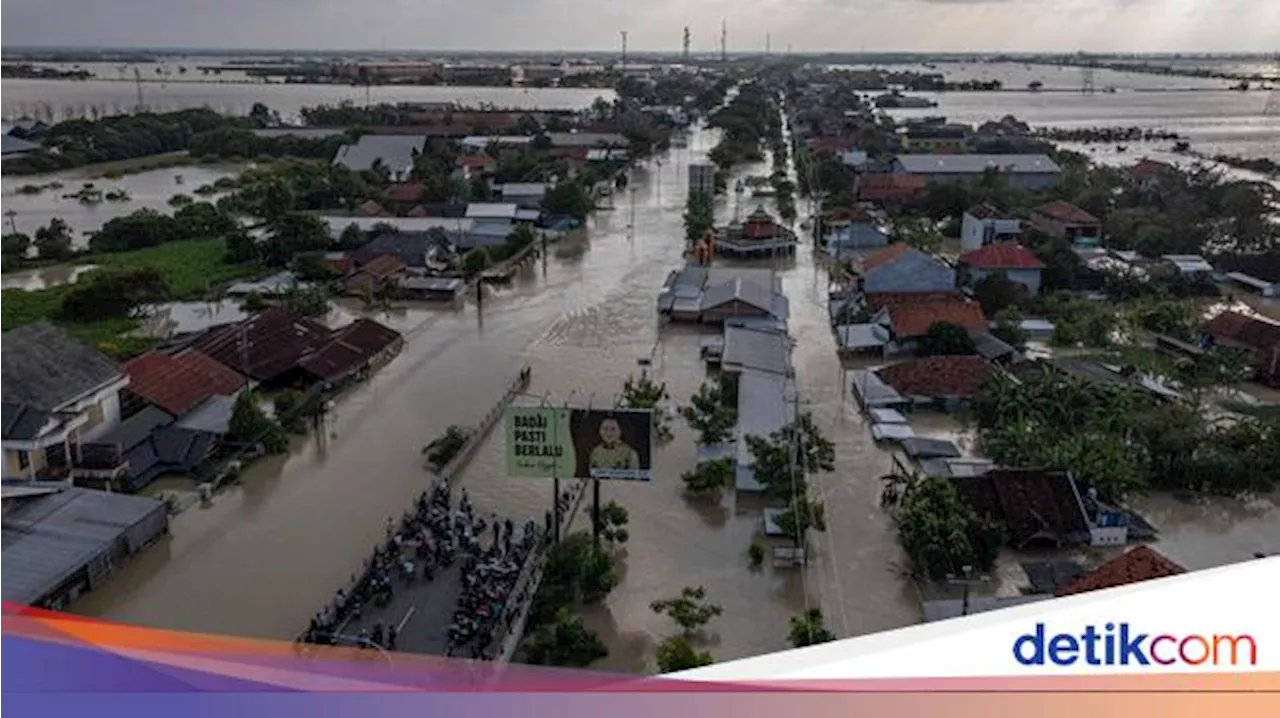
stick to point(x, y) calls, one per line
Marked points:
point(760, 225)
point(892, 180)
point(914, 320)
point(179, 382)
point(1150, 168)
point(404, 192)
point(477, 162)
point(1066, 212)
point(1002, 255)
point(884, 256)
point(937, 376)
point(349, 349)
point(1244, 329)
point(876, 301)
point(1140, 564)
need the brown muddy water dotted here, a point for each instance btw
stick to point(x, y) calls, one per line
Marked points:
point(270, 552)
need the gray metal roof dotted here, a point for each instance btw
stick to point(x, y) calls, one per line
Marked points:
point(46, 368)
point(766, 403)
point(742, 290)
point(873, 392)
point(10, 145)
point(395, 151)
point(46, 539)
point(954, 608)
point(922, 448)
point(977, 164)
point(861, 336)
point(587, 139)
point(213, 415)
point(23, 422)
point(309, 133)
point(757, 349)
point(136, 429)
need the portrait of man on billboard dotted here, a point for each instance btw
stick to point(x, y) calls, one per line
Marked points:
point(612, 444)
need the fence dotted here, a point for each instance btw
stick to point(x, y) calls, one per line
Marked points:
point(473, 442)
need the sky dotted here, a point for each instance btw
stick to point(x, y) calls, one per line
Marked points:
point(577, 25)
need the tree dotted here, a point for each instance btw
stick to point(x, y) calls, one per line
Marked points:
point(569, 198)
point(781, 462)
point(288, 409)
point(675, 653)
point(307, 301)
point(113, 294)
point(260, 116)
point(249, 425)
point(801, 515)
point(476, 261)
point(253, 303)
point(711, 412)
point(241, 248)
point(564, 642)
point(351, 238)
point(995, 293)
point(922, 234)
point(575, 571)
point(945, 338)
point(443, 448)
point(613, 520)
point(936, 528)
point(144, 228)
point(202, 220)
point(1008, 328)
point(709, 476)
point(699, 217)
point(54, 241)
point(807, 629)
point(291, 233)
point(645, 393)
point(689, 610)
point(15, 245)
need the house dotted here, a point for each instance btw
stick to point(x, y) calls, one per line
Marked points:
point(715, 295)
point(588, 139)
point(1038, 508)
point(12, 148)
point(1257, 338)
point(395, 153)
point(413, 248)
point(266, 347)
point(1025, 172)
point(1192, 266)
point(845, 229)
point(1261, 286)
point(359, 347)
point(1015, 261)
point(857, 159)
point(889, 188)
point(57, 393)
point(945, 380)
point(402, 197)
point(276, 285)
point(758, 236)
point(904, 269)
point(61, 541)
point(475, 165)
point(178, 382)
point(1066, 221)
point(145, 446)
point(1149, 174)
point(1140, 564)
point(907, 323)
point(936, 138)
point(495, 212)
point(525, 195)
point(382, 271)
point(755, 349)
point(983, 224)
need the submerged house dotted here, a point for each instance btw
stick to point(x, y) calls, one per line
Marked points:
point(948, 381)
point(1142, 563)
point(851, 229)
point(58, 393)
point(758, 236)
point(713, 295)
point(1067, 221)
point(1038, 508)
point(394, 153)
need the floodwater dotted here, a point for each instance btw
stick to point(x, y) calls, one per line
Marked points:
point(173, 318)
point(61, 99)
point(270, 552)
point(147, 190)
point(36, 279)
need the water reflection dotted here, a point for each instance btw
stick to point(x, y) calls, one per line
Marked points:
point(33, 280)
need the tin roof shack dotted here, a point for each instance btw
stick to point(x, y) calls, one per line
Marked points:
point(1038, 508)
point(66, 541)
point(1257, 338)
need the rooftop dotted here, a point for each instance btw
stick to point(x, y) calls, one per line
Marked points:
point(264, 345)
point(986, 210)
point(914, 320)
point(1002, 255)
point(1035, 506)
point(1066, 212)
point(876, 301)
point(50, 537)
point(1244, 329)
point(349, 348)
point(395, 152)
point(1140, 564)
point(937, 376)
point(45, 368)
point(179, 382)
point(757, 349)
point(978, 163)
point(886, 255)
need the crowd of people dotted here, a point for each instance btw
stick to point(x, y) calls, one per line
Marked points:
point(428, 539)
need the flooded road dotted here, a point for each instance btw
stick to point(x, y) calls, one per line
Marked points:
point(271, 551)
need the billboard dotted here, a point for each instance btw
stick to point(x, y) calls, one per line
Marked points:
point(557, 442)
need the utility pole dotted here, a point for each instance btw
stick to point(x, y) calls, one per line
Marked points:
point(686, 43)
point(624, 52)
point(968, 581)
point(137, 80)
point(724, 41)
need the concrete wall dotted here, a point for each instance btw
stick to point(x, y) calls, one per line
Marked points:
point(973, 231)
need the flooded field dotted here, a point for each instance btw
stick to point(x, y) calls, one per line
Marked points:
point(36, 279)
point(147, 190)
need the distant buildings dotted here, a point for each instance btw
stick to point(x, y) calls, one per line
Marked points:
point(1026, 172)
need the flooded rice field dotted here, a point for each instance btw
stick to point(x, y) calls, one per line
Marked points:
point(146, 190)
point(270, 551)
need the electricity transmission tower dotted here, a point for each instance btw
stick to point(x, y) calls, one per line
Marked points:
point(624, 50)
point(724, 41)
point(686, 43)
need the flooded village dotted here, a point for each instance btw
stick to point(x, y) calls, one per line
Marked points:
point(282, 396)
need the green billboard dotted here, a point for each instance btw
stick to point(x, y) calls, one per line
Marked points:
point(559, 442)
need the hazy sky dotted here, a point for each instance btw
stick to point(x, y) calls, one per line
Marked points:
point(844, 25)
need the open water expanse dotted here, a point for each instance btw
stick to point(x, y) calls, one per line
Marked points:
point(270, 552)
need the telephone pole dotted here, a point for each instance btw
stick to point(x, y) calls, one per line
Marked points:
point(686, 43)
point(724, 41)
point(624, 51)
